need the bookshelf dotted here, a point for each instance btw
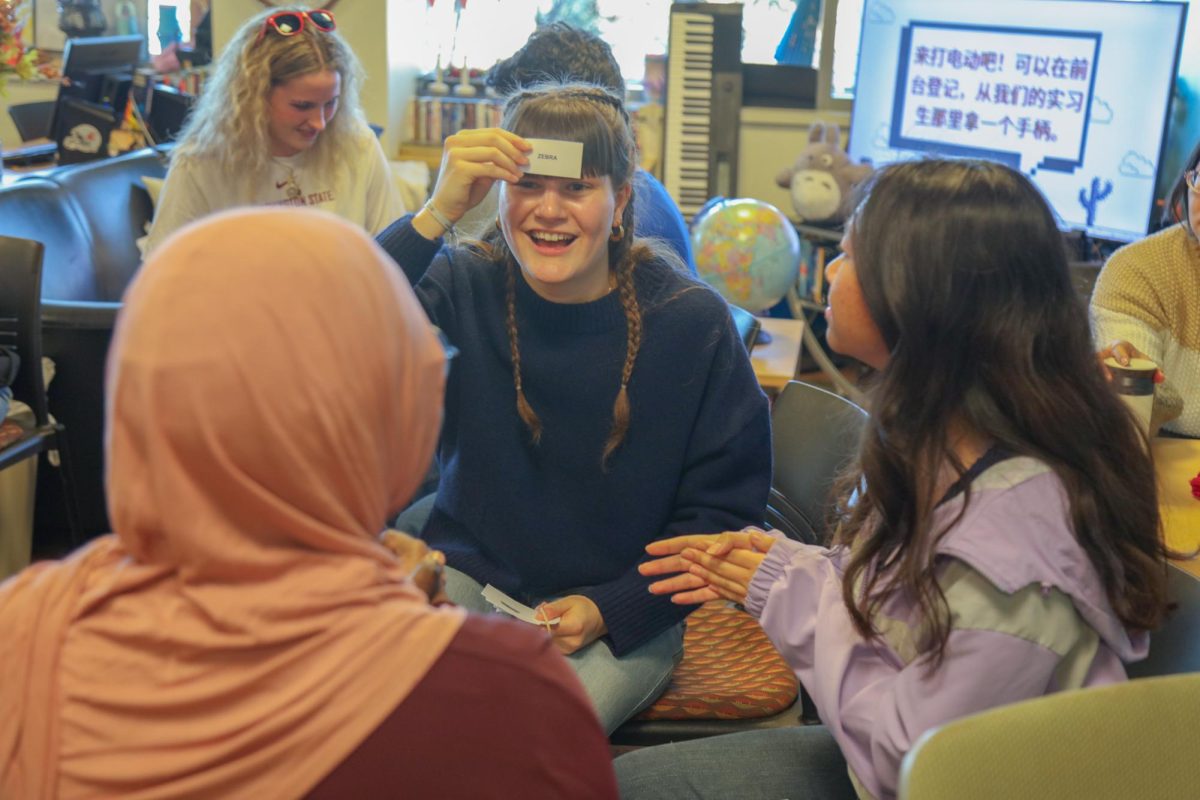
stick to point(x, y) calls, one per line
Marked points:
point(436, 117)
point(187, 79)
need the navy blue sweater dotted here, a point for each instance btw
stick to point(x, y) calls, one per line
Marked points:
point(547, 520)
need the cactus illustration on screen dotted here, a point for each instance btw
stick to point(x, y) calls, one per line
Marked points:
point(1089, 203)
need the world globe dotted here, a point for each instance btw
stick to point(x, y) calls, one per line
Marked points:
point(747, 250)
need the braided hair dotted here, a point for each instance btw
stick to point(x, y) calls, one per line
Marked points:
point(593, 115)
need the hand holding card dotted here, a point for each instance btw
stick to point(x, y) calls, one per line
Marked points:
point(472, 161)
point(504, 603)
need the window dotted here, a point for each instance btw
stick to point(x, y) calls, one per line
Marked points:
point(845, 48)
point(485, 31)
point(167, 21)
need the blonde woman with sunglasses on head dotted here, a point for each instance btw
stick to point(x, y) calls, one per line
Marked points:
point(1146, 304)
point(279, 123)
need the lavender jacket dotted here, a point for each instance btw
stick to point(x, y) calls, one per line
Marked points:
point(1028, 617)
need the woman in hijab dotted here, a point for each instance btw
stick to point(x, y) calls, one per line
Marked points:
point(274, 393)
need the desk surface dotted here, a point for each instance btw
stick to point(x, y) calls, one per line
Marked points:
point(1176, 461)
point(775, 362)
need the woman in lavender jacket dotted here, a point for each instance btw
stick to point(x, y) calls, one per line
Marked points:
point(998, 539)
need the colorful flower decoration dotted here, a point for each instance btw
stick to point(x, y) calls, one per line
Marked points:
point(15, 58)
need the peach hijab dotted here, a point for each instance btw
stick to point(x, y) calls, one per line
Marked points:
point(274, 391)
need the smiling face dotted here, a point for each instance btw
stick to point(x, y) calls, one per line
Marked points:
point(851, 331)
point(299, 109)
point(558, 229)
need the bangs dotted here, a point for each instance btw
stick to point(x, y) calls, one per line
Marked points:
point(574, 119)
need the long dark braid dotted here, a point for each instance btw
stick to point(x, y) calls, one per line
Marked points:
point(528, 415)
point(633, 343)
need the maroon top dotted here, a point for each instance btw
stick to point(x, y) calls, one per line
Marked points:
point(501, 713)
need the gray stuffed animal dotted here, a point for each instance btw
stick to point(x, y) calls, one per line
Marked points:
point(823, 177)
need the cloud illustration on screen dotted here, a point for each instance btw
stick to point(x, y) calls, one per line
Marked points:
point(883, 152)
point(880, 14)
point(1102, 112)
point(882, 135)
point(1136, 165)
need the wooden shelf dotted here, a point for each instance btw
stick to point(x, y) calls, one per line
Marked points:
point(431, 154)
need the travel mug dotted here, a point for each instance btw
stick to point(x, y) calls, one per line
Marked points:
point(1134, 382)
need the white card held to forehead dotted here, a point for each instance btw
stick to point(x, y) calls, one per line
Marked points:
point(555, 158)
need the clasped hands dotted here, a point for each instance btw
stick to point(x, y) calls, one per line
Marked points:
point(707, 567)
point(702, 567)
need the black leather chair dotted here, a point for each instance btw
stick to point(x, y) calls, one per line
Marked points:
point(88, 217)
point(814, 434)
point(20, 330)
point(32, 120)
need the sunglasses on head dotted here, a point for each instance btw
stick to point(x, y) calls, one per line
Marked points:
point(290, 23)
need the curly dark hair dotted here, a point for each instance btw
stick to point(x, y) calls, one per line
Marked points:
point(559, 52)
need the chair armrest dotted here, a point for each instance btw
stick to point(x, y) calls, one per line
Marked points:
point(84, 315)
point(28, 445)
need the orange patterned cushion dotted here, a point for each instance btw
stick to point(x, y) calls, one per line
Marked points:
point(730, 670)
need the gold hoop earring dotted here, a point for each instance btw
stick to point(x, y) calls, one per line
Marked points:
point(618, 233)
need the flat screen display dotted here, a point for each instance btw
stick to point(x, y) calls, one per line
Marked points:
point(1073, 93)
point(98, 70)
point(101, 54)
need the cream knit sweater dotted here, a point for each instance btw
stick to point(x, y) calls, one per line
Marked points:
point(1148, 294)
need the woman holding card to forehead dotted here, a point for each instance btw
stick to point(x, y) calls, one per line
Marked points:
point(602, 398)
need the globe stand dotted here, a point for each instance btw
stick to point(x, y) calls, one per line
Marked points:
point(817, 352)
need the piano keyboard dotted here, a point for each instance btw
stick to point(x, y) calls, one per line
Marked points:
point(703, 101)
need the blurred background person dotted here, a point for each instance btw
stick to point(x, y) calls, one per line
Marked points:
point(1146, 304)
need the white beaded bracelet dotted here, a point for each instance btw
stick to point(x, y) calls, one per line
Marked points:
point(439, 217)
